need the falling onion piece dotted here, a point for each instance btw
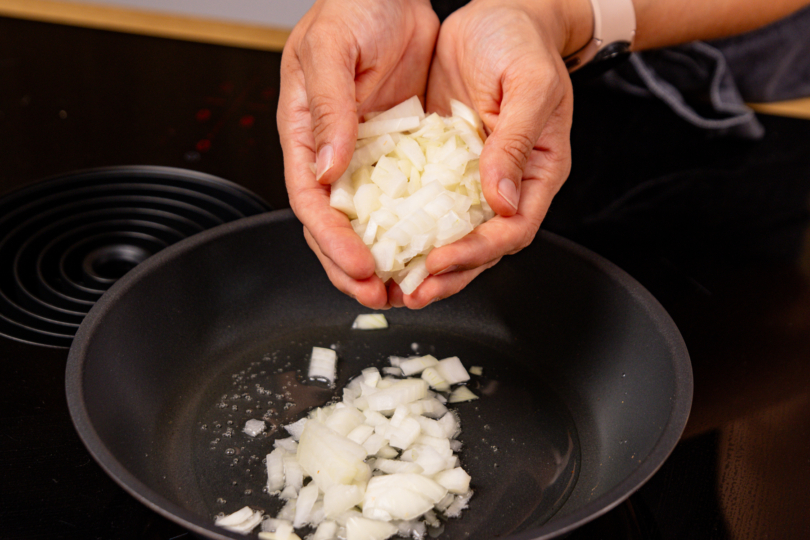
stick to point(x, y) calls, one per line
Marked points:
point(382, 462)
point(370, 322)
point(323, 364)
point(413, 184)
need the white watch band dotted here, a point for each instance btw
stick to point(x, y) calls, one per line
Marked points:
point(614, 26)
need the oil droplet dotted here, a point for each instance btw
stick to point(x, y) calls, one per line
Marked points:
point(221, 501)
point(230, 452)
point(248, 492)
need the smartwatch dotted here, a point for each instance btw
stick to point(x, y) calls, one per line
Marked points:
point(614, 26)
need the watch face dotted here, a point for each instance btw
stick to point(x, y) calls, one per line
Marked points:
point(601, 63)
point(611, 51)
point(572, 63)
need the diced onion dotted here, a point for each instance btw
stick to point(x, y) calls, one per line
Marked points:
point(322, 364)
point(242, 521)
point(413, 184)
point(254, 427)
point(372, 321)
point(380, 463)
point(462, 393)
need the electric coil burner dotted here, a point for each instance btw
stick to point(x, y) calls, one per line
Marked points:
point(65, 241)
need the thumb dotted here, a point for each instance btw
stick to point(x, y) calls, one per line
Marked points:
point(525, 109)
point(328, 63)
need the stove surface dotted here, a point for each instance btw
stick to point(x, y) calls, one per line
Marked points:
point(715, 228)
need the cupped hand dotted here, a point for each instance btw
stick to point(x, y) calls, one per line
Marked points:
point(503, 58)
point(345, 58)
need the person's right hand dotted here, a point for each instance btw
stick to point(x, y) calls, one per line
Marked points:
point(343, 59)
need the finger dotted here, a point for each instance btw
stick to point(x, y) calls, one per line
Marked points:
point(328, 55)
point(530, 95)
point(497, 237)
point(309, 199)
point(545, 173)
point(436, 288)
point(370, 292)
point(395, 295)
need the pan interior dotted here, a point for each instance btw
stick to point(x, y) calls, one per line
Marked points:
point(520, 442)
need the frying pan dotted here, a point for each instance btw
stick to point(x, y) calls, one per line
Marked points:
point(586, 383)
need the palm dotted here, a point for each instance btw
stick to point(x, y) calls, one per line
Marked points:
point(497, 61)
point(380, 52)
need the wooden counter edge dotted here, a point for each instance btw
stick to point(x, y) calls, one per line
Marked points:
point(148, 23)
point(796, 108)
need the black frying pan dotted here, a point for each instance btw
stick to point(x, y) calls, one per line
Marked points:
point(586, 389)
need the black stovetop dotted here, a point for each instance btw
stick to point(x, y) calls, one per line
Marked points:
point(715, 228)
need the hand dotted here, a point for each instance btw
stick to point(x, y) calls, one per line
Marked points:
point(504, 58)
point(345, 58)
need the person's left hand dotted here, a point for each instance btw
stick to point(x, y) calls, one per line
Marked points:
point(503, 57)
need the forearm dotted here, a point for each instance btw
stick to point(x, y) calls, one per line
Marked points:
point(662, 23)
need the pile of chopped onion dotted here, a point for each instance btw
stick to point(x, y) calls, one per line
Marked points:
point(413, 184)
point(381, 462)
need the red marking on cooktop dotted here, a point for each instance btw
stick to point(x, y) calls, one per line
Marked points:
point(203, 115)
point(203, 145)
point(246, 121)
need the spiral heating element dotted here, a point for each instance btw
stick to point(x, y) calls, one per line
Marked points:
point(65, 241)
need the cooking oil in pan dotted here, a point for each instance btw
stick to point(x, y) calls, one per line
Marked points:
point(520, 444)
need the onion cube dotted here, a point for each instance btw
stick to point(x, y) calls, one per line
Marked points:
point(371, 321)
point(328, 457)
point(410, 107)
point(366, 200)
point(417, 273)
point(254, 427)
point(389, 178)
point(358, 528)
point(384, 252)
point(452, 370)
point(400, 496)
point(378, 127)
point(323, 364)
point(461, 394)
point(236, 518)
point(455, 480)
point(400, 392)
point(340, 498)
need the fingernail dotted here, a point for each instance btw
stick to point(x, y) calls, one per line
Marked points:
point(451, 268)
point(324, 162)
point(507, 190)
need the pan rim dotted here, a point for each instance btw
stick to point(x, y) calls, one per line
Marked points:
point(670, 434)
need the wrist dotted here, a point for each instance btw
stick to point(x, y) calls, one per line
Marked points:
point(577, 17)
point(569, 23)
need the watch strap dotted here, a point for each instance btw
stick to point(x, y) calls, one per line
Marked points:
point(614, 27)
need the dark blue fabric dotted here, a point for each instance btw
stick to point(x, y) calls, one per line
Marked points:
point(772, 63)
point(707, 84)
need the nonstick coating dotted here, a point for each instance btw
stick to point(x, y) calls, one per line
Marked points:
point(587, 383)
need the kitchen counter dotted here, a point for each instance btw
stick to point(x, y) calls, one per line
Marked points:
point(716, 228)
